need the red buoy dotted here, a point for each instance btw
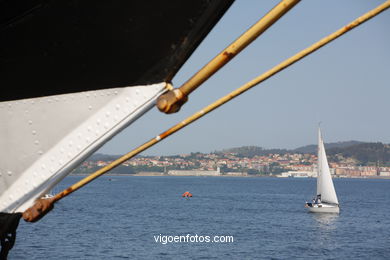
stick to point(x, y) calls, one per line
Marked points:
point(186, 194)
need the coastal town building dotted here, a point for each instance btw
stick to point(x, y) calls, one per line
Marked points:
point(194, 173)
point(230, 164)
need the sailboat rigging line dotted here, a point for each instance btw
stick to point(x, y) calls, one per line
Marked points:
point(171, 101)
point(41, 207)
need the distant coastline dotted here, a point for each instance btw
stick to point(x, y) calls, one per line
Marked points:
point(154, 174)
point(346, 160)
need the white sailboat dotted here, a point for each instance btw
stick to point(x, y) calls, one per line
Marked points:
point(326, 199)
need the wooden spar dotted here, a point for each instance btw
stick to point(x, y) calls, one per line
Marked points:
point(171, 101)
point(43, 206)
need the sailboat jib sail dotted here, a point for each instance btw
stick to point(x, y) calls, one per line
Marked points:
point(326, 199)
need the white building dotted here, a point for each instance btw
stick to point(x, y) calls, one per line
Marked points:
point(194, 173)
point(298, 174)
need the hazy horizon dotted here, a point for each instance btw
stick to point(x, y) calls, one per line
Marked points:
point(226, 148)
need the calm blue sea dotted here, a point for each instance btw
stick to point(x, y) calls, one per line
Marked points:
point(120, 218)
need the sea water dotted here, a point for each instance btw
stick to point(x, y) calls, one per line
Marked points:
point(132, 217)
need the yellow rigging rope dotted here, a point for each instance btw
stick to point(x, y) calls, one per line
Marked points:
point(172, 101)
point(43, 206)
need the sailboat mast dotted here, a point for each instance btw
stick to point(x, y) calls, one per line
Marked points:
point(319, 162)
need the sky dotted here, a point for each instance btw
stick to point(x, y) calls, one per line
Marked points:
point(344, 85)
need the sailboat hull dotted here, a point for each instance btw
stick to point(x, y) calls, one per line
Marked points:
point(324, 208)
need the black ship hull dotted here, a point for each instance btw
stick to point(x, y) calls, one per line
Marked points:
point(56, 47)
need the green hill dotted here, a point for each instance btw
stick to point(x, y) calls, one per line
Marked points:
point(250, 151)
point(362, 153)
point(312, 149)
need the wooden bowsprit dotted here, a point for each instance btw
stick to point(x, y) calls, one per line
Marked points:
point(43, 206)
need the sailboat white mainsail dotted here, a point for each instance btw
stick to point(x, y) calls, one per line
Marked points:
point(325, 186)
point(326, 200)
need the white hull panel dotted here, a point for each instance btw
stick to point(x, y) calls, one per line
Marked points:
point(44, 139)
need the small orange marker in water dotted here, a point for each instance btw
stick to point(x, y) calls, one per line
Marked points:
point(186, 194)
